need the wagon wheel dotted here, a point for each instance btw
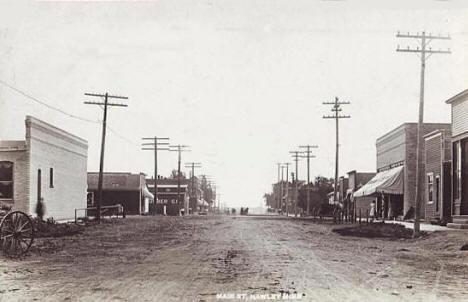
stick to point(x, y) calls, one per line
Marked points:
point(16, 233)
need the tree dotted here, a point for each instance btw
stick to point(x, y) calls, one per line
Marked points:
point(320, 188)
point(174, 174)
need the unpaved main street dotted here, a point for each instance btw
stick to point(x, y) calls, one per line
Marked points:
point(195, 258)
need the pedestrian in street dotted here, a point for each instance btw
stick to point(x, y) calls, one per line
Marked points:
point(372, 211)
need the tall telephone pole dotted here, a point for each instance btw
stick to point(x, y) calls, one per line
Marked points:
point(106, 104)
point(278, 187)
point(287, 187)
point(179, 149)
point(153, 144)
point(308, 155)
point(296, 156)
point(424, 53)
point(336, 109)
point(193, 197)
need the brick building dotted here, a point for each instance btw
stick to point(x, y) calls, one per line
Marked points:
point(438, 182)
point(50, 164)
point(168, 203)
point(394, 185)
point(459, 106)
point(126, 189)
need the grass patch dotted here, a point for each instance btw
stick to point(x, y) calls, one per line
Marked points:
point(376, 230)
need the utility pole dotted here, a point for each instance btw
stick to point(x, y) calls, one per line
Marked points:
point(296, 156)
point(153, 145)
point(106, 104)
point(287, 187)
point(281, 190)
point(336, 109)
point(193, 197)
point(424, 53)
point(204, 184)
point(278, 206)
point(308, 155)
point(213, 191)
point(179, 149)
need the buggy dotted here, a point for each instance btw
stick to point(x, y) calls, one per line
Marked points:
point(16, 231)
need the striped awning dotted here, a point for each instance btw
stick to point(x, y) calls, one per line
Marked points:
point(388, 182)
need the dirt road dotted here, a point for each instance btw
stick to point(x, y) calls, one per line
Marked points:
point(197, 258)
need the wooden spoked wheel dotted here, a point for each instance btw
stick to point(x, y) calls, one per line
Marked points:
point(16, 233)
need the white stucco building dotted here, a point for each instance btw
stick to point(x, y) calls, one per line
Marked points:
point(50, 164)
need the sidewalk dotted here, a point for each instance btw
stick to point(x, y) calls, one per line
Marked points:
point(423, 226)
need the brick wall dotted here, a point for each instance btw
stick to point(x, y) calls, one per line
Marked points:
point(50, 147)
point(400, 145)
point(19, 158)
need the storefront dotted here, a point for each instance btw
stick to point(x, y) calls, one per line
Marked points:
point(387, 187)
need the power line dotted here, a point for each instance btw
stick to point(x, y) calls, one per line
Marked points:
point(425, 52)
point(45, 104)
point(34, 99)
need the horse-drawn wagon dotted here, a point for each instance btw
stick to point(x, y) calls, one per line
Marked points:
point(16, 231)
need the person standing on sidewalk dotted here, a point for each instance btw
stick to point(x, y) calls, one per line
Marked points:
point(372, 211)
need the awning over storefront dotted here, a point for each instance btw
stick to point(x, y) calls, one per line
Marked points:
point(147, 193)
point(389, 182)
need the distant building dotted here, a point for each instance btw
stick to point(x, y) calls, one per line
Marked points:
point(127, 189)
point(49, 164)
point(438, 181)
point(459, 105)
point(169, 202)
point(394, 185)
point(342, 189)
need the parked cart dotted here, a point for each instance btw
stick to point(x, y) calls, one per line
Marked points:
point(16, 232)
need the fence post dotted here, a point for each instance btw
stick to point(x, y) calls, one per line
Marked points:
point(75, 216)
point(367, 216)
point(359, 216)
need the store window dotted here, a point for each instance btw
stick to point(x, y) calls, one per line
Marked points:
point(6, 180)
point(430, 187)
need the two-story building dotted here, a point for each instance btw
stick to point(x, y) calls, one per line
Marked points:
point(394, 185)
point(50, 164)
point(172, 198)
point(459, 108)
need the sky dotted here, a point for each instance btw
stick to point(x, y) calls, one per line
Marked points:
point(241, 82)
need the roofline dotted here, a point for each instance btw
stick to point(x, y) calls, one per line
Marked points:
point(124, 173)
point(33, 120)
point(404, 126)
point(359, 172)
point(457, 97)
